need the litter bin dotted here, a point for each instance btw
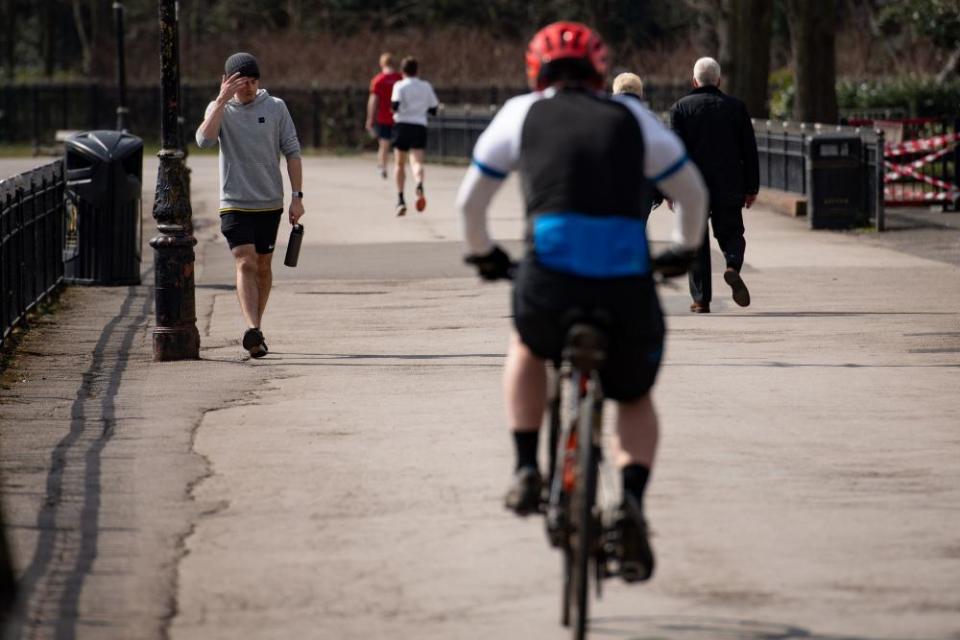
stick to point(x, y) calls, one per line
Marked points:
point(837, 182)
point(103, 232)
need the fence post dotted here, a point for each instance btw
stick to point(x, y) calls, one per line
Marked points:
point(880, 191)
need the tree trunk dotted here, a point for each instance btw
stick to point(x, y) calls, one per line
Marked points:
point(49, 40)
point(294, 15)
point(83, 36)
point(950, 67)
point(9, 16)
point(813, 39)
point(749, 28)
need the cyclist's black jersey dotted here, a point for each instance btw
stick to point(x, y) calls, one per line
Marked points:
point(588, 164)
point(583, 152)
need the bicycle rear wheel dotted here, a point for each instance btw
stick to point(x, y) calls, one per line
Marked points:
point(582, 506)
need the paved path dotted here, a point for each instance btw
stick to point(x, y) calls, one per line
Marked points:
point(348, 486)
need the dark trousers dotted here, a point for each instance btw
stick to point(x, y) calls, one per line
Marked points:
point(727, 223)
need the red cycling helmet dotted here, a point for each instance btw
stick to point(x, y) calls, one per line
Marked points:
point(565, 40)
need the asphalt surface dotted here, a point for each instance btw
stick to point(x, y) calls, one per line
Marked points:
point(348, 485)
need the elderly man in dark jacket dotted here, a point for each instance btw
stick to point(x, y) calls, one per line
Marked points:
point(718, 134)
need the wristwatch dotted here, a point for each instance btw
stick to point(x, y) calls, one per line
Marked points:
point(297, 194)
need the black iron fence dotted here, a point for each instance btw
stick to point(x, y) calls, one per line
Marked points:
point(324, 117)
point(784, 150)
point(31, 241)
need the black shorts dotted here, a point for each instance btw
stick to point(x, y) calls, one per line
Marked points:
point(383, 131)
point(408, 136)
point(543, 299)
point(258, 228)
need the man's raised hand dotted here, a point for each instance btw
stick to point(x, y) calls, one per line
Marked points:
point(229, 87)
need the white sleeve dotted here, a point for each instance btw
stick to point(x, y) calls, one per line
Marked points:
point(395, 93)
point(498, 149)
point(665, 163)
point(476, 192)
point(434, 103)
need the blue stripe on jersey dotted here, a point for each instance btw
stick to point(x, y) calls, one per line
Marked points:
point(489, 171)
point(591, 246)
point(672, 169)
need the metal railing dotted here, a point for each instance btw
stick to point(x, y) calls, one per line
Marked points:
point(783, 149)
point(31, 241)
point(324, 117)
point(454, 132)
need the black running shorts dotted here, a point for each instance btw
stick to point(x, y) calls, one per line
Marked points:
point(258, 228)
point(543, 300)
point(383, 131)
point(408, 136)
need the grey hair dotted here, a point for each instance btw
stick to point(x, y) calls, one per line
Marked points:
point(706, 72)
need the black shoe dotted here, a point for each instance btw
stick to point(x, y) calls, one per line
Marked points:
point(741, 295)
point(253, 342)
point(523, 497)
point(634, 552)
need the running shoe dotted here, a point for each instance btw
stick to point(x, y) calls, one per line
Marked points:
point(523, 496)
point(382, 171)
point(253, 343)
point(421, 200)
point(633, 548)
point(741, 295)
point(401, 209)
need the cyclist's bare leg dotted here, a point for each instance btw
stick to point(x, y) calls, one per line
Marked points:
point(637, 432)
point(525, 386)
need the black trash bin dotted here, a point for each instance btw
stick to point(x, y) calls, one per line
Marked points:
point(837, 182)
point(104, 172)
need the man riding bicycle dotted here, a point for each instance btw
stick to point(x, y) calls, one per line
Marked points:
point(588, 165)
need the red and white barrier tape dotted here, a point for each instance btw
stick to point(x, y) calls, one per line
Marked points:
point(918, 146)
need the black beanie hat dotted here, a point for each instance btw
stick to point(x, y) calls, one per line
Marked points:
point(244, 64)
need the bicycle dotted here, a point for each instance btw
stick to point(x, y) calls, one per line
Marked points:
point(576, 524)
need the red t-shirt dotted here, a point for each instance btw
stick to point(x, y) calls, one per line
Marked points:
point(382, 87)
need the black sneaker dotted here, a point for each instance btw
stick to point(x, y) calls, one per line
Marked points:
point(634, 552)
point(523, 497)
point(253, 342)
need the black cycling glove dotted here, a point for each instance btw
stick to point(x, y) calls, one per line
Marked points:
point(673, 262)
point(495, 265)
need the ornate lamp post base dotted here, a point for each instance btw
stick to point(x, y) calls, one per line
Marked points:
point(175, 336)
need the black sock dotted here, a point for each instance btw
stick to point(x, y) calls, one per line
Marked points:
point(420, 187)
point(400, 198)
point(635, 482)
point(526, 443)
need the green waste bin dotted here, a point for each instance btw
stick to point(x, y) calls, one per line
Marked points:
point(104, 171)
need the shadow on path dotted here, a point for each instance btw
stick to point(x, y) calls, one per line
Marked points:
point(702, 628)
point(68, 521)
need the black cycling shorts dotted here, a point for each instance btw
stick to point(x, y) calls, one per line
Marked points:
point(408, 136)
point(258, 228)
point(543, 300)
point(383, 131)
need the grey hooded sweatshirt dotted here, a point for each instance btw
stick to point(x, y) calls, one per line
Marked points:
point(252, 137)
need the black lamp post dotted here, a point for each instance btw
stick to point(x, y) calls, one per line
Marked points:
point(122, 110)
point(175, 336)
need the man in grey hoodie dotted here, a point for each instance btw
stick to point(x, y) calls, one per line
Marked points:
point(253, 129)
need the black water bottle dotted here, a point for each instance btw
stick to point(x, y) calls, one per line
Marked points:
point(293, 246)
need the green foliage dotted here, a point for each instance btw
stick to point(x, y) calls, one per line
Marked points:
point(782, 94)
point(917, 95)
point(937, 19)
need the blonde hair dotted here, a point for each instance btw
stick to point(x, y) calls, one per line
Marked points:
point(386, 60)
point(628, 83)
